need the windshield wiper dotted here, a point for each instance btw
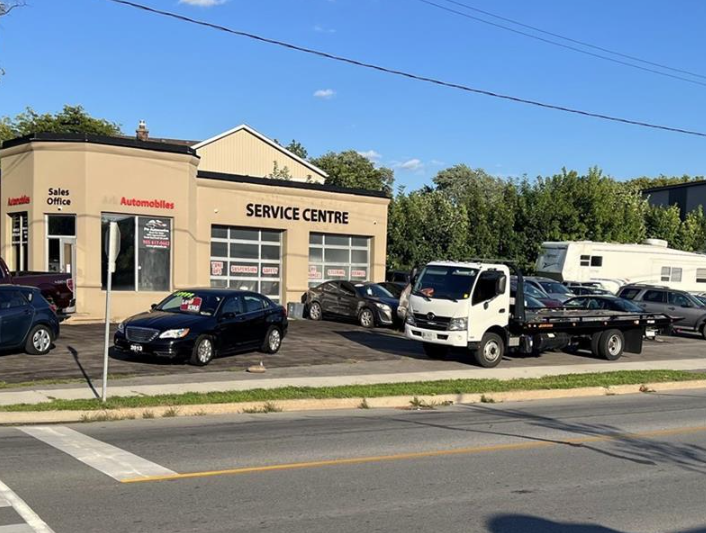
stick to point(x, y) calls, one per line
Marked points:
point(420, 293)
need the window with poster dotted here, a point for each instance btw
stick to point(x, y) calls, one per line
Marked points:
point(144, 262)
point(247, 259)
point(20, 239)
point(338, 257)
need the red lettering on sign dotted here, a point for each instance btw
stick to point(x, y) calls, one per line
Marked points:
point(137, 202)
point(22, 200)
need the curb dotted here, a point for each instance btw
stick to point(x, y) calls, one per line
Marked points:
point(386, 402)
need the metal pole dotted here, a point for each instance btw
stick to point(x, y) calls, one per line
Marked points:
point(111, 262)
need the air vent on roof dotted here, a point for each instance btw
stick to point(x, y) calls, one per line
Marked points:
point(657, 242)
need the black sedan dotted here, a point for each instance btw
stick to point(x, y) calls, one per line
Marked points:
point(27, 321)
point(610, 303)
point(200, 324)
point(368, 303)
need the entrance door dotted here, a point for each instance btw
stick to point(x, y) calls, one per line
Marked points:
point(62, 255)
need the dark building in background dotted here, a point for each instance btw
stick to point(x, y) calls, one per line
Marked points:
point(688, 196)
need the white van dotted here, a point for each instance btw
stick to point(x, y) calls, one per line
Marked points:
point(652, 262)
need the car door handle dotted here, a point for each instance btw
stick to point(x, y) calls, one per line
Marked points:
point(672, 308)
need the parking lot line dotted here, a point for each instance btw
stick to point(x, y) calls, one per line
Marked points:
point(110, 460)
point(33, 524)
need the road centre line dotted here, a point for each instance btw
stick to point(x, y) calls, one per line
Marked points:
point(420, 455)
point(110, 460)
point(34, 524)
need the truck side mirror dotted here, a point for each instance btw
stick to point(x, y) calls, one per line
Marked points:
point(500, 285)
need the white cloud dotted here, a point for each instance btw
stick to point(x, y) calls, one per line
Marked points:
point(324, 94)
point(323, 29)
point(410, 164)
point(437, 162)
point(203, 3)
point(372, 155)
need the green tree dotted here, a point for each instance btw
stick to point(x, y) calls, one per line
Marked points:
point(296, 148)
point(350, 169)
point(663, 223)
point(691, 236)
point(71, 119)
point(646, 182)
point(279, 173)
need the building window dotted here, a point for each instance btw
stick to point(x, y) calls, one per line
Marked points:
point(338, 257)
point(247, 259)
point(144, 261)
point(673, 274)
point(20, 240)
point(701, 275)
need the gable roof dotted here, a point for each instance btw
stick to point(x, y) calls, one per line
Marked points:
point(264, 139)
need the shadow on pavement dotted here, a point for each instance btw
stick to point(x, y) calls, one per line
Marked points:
point(516, 523)
point(85, 375)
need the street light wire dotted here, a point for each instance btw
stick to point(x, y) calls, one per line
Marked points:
point(405, 74)
point(561, 45)
point(575, 41)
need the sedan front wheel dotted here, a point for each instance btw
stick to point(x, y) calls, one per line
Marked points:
point(204, 351)
point(366, 318)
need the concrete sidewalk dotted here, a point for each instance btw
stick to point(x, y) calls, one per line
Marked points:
point(321, 376)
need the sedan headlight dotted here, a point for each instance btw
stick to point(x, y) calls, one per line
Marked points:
point(174, 333)
point(384, 307)
point(121, 327)
point(458, 324)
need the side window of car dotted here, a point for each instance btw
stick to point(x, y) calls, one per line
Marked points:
point(629, 294)
point(252, 303)
point(347, 289)
point(577, 302)
point(330, 288)
point(678, 299)
point(233, 305)
point(12, 299)
point(655, 297)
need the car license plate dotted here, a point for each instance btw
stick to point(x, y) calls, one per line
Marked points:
point(427, 335)
point(135, 348)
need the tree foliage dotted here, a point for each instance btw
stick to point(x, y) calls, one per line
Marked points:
point(71, 119)
point(350, 169)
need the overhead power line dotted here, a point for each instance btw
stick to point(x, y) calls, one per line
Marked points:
point(576, 41)
point(561, 45)
point(402, 73)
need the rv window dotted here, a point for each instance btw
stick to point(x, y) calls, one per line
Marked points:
point(665, 273)
point(701, 275)
point(597, 261)
point(585, 260)
point(676, 274)
point(655, 297)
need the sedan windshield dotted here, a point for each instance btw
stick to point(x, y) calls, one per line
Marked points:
point(193, 303)
point(553, 287)
point(446, 282)
point(373, 290)
point(530, 290)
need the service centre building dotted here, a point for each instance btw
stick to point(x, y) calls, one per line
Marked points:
point(190, 214)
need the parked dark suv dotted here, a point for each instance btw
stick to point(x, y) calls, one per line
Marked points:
point(672, 302)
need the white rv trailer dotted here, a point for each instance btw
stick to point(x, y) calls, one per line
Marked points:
point(652, 262)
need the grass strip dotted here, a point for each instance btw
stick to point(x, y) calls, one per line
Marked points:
point(420, 388)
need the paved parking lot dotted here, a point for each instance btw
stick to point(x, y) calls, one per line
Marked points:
point(79, 354)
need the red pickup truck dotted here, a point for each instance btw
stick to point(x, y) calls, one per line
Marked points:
point(57, 288)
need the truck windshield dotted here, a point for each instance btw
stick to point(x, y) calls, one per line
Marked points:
point(446, 282)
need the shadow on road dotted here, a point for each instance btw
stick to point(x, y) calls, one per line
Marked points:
point(74, 354)
point(515, 523)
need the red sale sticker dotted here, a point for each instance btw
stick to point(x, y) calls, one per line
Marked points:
point(191, 305)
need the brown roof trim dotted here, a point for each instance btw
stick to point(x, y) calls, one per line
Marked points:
point(101, 139)
point(237, 178)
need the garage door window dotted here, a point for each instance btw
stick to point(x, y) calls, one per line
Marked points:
point(338, 257)
point(247, 259)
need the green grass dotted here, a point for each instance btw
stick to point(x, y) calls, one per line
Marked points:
point(422, 388)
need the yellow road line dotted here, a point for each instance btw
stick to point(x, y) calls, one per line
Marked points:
point(418, 455)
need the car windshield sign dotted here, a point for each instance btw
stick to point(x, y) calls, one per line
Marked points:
point(446, 282)
point(193, 303)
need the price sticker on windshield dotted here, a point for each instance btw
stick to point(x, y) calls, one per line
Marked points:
point(191, 305)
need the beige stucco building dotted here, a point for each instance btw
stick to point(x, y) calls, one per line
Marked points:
point(191, 214)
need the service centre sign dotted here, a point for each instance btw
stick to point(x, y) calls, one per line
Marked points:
point(280, 212)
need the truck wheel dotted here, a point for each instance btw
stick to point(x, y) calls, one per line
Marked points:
point(39, 340)
point(435, 351)
point(611, 344)
point(491, 350)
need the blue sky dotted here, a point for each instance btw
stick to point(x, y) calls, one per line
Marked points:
point(191, 82)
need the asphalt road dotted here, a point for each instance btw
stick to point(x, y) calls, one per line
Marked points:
point(611, 464)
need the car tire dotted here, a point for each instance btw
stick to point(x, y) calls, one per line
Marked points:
point(203, 352)
point(703, 331)
point(435, 351)
point(611, 345)
point(273, 340)
point(39, 340)
point(315, 311)
point(366, 318)
point(490, 351)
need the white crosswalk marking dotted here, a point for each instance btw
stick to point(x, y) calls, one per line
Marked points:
point(33, 524)
point(108, 459)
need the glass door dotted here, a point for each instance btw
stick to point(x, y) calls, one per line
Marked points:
point(61, 244)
